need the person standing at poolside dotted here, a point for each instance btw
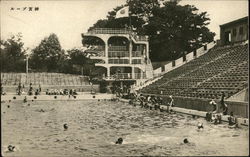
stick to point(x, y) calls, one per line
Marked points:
point(223, 105)
point(214, 104)
point(171, 104)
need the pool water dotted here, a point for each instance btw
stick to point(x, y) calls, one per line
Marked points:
point(94, 126)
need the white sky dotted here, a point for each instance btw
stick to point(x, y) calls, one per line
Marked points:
point(68, 19)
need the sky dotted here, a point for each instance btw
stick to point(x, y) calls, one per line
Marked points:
point(68, 19)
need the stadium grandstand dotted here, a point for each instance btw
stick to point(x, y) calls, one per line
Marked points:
point(221, 69)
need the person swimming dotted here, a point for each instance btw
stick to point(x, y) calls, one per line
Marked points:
point(200, 126)
point(11, 148)
point(185, 140)
point(119, 141)
point(65, 126)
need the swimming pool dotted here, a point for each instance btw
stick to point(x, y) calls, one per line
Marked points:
point(94, 126)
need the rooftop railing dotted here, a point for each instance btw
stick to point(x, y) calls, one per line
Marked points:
point(118, 31)
point(109, 31)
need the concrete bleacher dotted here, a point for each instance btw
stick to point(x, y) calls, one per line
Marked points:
point(58, 81)
point(222, 69)
point(13, 79)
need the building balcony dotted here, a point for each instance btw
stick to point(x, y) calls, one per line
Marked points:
point(126, 76)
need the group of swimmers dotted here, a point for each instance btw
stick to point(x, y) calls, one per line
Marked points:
point(216, 117)
point(149, 101)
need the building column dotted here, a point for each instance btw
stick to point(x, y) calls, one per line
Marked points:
point(147, 51)
point(133, 72)
point(108, 71)
point(130, 51)
point(106, 52)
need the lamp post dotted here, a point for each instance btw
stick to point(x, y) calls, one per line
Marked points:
point(27, 63)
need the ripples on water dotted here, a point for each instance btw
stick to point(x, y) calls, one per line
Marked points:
point(95, 126)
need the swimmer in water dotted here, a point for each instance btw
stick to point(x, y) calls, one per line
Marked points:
point(65, 126)
point(200, 125)
point(25, 99)
point(119, 141)
point(185, 140)
point(11, 148)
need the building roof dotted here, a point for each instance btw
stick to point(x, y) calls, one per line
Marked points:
point(241, 20)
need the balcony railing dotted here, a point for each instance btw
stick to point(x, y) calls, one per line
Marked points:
point(118, 61)
point(140, 75)
point(136, 61)
point(118, 48)
point(127, 76)
point(110, 31)
point(123, 76)
point(118, 54)
point(137, 54)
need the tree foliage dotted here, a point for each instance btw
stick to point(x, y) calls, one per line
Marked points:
point(47, 55)
point(173, 29)
point(12, 54)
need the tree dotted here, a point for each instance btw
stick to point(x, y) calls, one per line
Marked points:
point(174, 29)
point(79, 61)
point(47, 54)
point(13, 54)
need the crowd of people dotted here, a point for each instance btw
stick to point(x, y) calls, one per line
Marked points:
point(215, 116)
point(31, 91)
point(61, 92)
